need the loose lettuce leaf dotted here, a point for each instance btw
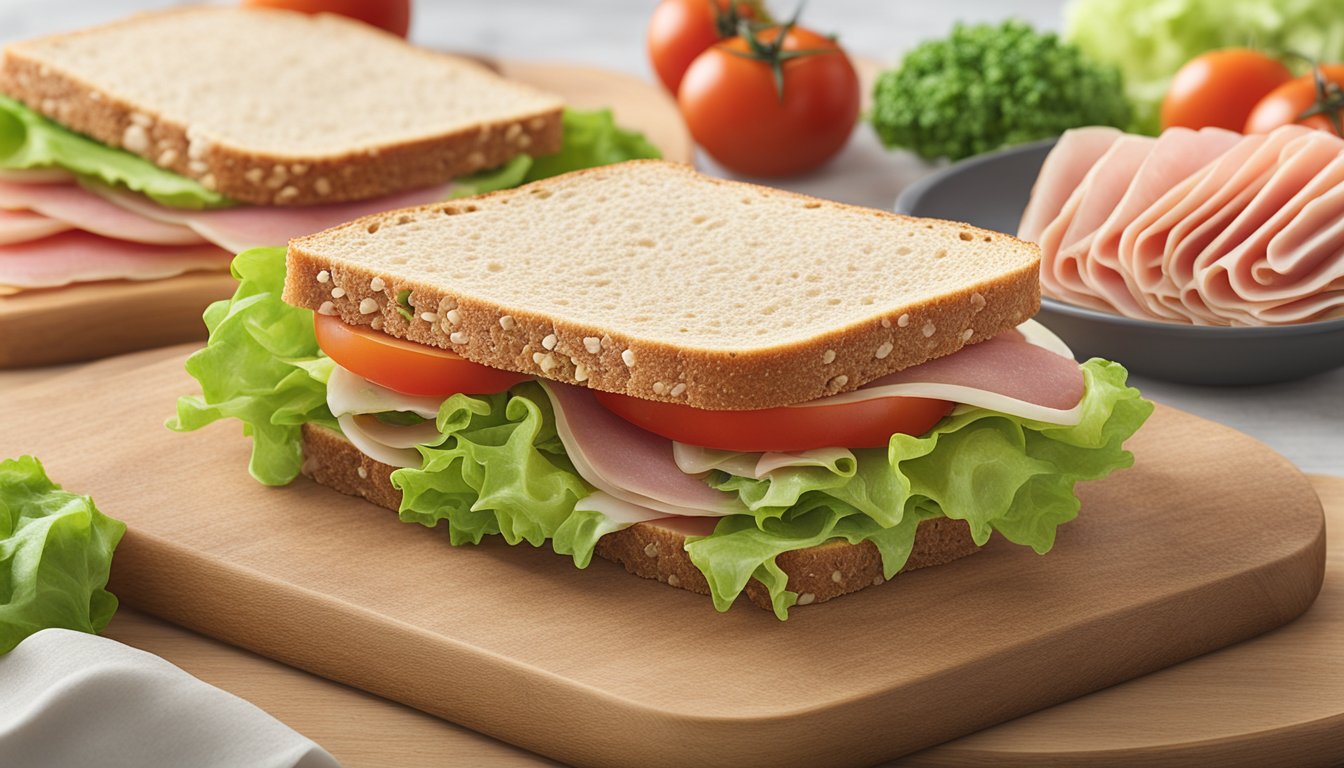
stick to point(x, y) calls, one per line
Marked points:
point(55, 554)
point(591, 138)
point(262, 366)
point(29, 140)
point(500, 468)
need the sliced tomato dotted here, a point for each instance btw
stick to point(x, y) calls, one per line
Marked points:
point(407, 367)
point(866, 424)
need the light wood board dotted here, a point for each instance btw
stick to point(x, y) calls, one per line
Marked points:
point(97, 319)
point(1209, 539)
point(1277, 699)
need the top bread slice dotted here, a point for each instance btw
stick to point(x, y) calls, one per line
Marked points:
point(280, 108)
point(649, 279)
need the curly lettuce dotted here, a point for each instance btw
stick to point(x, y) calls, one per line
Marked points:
point(999, 473)
point(29, 140)
point(261, 366)
point(55, 555)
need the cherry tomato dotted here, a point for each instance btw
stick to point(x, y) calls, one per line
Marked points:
point(1220, 88)
point(404, 366)
point(734, 110)
point(680, 30)
point(391, 15)
point(866, 424)
point(1284, 104)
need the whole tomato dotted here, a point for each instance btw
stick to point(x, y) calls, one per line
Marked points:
point(391, 15)
point(1220, 88)
point(1285, 104)
point(680, 30)
point(757, 123)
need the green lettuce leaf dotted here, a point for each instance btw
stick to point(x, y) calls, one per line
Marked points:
point(999, 473)
point(591, 138)
point(55, 554)
point(261, 365)
point(29, 140)
point(499, 468)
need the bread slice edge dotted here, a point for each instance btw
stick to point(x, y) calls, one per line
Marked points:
point(838, 359)
point(646, 550)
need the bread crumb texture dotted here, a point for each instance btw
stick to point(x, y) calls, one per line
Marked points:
point(646, 273)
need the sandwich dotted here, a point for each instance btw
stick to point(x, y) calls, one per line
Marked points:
point(726, 388)
point(137, 157)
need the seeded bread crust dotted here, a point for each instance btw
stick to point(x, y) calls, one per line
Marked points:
point(615, 359)
point(249, 175)
point(646, 550)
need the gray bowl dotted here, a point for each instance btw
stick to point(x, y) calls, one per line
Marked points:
point(991, 191)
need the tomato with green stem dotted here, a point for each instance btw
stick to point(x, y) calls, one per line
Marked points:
point(1315, 100)
point(776, 101)
point(680, 30)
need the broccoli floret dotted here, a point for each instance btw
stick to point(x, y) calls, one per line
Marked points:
point(986, 87)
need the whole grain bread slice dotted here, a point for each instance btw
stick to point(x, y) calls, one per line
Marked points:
point(649, 279)
point(651, 551)
point(280, 108)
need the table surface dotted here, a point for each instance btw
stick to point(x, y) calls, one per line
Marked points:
point(1303, 420)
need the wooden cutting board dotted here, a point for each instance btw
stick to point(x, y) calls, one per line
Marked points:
point(1211, 538)
point(1277, 699)
point(107, 318)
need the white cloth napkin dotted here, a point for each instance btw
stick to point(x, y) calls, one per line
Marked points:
point(72, 700)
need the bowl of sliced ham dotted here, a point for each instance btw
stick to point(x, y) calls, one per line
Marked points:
point(1204, 257)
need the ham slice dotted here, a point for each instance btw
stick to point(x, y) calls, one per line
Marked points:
point(1005, 374)
point(23, 226)
point(1178, 153)
point(626, 462)
point(73, 205)
point(1066, 240)
point(1204, 227)
point(74, 257)
point(237, 229)
point(1063, 170)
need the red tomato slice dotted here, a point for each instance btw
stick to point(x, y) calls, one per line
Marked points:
point(866, 424)
point(407, 367)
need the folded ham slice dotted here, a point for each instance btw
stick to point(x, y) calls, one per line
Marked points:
point(23, 226)
point(1205, 227)
point(72, 204)
point(78, 257)
point(35, 205)
point(237, 229)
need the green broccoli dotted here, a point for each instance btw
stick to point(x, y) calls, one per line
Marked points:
point(987, 87)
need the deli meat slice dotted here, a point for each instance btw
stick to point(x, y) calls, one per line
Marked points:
point(1005, 374)
point(73, 257)
point(1065, 241)
point(22, 226)
point(1178, 153)
point(75, 206)
point(1207, 227)
point(627, 462)
point(1063, 170)
point(237, 229)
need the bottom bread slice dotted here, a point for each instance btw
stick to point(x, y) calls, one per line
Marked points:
point(653, 551)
